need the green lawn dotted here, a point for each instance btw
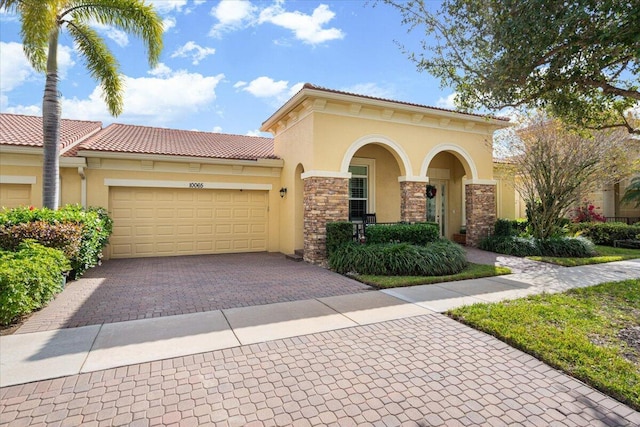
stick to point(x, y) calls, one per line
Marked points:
point(605, 254)
point(592, 333)
point(473, 271)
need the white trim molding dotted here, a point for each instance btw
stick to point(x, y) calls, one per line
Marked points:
point(380, 140)
point(452, 148)
point(17, 179)
point(326, 174)
point(186, 184)
point(480, 181)
point(424, 179)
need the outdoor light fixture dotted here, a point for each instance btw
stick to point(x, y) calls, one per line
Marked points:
point(283, 192)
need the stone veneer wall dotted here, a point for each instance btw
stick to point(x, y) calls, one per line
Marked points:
point(413, 203)
point(325, 200)
point(481, 211)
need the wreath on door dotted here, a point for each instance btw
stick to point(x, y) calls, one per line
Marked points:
point(431, 191)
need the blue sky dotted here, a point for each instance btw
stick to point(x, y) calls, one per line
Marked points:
point(228, 65)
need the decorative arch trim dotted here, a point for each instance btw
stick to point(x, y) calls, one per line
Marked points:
point(380, 140)
point(452, 148)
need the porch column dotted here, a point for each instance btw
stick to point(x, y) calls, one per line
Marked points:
point(326, 199)
point(413, 203)
point(481, 211)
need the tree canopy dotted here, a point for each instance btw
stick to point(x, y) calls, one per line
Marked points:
point(41, 23)
point(553, 167)
point(577, 59)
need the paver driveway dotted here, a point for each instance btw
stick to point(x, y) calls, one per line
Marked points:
point(130, 289)
point(420, 371)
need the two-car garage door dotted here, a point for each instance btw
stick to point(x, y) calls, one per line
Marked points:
point(180, 221)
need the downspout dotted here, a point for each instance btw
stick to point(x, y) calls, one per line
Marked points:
point(83, 187)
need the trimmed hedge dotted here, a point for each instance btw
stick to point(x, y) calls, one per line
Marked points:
point(29, 278)
point(95, 225)
point(338, 234)
point(606, 233)
point(400, 259)
point(66, 236)
point(572, 247)
point(414, 234)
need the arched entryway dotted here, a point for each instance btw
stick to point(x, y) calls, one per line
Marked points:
point(456, 198)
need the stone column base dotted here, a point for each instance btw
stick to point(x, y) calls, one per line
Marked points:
point(413, 203)
point(325, 200)
point(481, 211)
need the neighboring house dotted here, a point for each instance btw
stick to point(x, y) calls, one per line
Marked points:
point(335, 156)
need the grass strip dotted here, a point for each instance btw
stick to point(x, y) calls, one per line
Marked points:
point(583, 332)
point(473, 271)
point(605, 254)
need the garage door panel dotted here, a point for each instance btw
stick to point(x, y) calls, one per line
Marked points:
point(159, 222)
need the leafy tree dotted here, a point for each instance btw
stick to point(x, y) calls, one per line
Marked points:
point(554, 166)
point(580, 59)
point(41, 23)
point(632, 193)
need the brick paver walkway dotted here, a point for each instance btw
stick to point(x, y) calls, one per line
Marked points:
point(130, 289)
point(419, 371)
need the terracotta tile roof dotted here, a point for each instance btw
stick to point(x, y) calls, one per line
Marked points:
point(323, 89)
point(20, 130)
point(121, 138)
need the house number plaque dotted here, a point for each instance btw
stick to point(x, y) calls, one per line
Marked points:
point(196, 185)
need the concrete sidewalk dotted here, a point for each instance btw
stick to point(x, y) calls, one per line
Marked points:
point(53, 354)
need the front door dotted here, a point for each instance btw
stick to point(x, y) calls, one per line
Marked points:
point(437, 204)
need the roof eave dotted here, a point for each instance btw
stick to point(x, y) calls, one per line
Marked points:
point(307, 92)
point(263, 162)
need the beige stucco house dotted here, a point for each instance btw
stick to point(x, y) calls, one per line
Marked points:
point(334, 156)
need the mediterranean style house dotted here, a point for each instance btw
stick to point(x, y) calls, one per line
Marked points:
point(334, 156)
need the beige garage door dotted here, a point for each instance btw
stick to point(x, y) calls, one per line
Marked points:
point(170, 221)
point(14, 195)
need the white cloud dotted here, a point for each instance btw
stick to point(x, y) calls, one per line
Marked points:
point(168, 23)
point(118, 36)
point(370, 89)
point(195, 52)
point(14, 67)
point(449, 102)
point(307, 28)
point(161, 70)
point(266, 87)
point(161, 99)
point(16, 70)
point(232, 15)
point(166, 6)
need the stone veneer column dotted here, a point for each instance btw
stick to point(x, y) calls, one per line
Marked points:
point(325, 200)
point(481, 211)
point(413, 203)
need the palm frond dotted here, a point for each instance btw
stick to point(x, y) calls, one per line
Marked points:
point(100, 62)
point(131, 16)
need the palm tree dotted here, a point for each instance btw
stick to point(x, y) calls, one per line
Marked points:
point(632, 193)
point(41, 23)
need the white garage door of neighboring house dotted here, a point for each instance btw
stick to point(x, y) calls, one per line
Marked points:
point(176, 221)
point(14, 195)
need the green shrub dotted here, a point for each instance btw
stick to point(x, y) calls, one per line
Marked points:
point(95, 223)
point(503, 227)
point(509, 245)
point(338, 234)
point(414, 234)
point(29, 278)
point(400, 259)
point(528, 246)
point(605, 233)
point(66, 236)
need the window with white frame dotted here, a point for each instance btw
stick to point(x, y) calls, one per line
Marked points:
point(358, 192)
